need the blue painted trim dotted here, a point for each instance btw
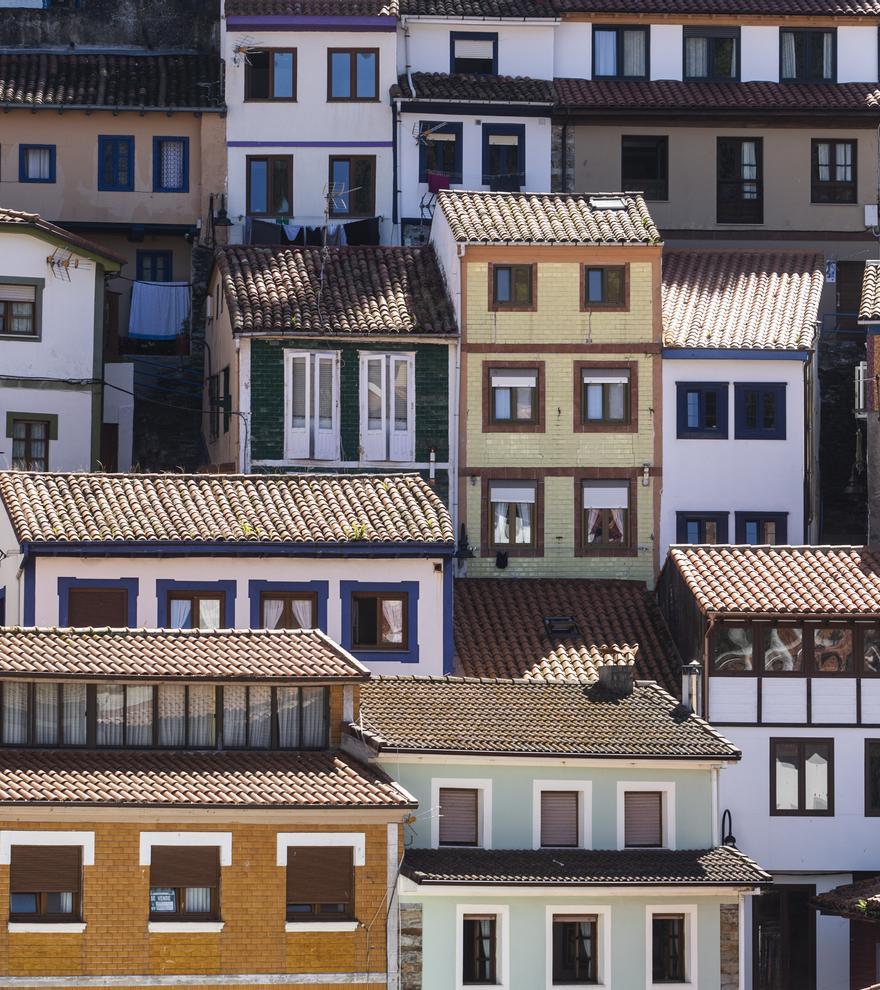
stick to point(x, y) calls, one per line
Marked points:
point(145, 259)
point(164, 588)
point(121, 548)
point(448, 614)
point(518, 131)
point(319, 588)
point(721, 519)
point(284, 22)
point(473, 36)
point(410, 588)
point(157, 163)
point(743, 432)
point(309, 144)
point(22, 163)
point(685, 432)
point(722, 354)
point(440, 128)
point(115, 141)
point(66, 583)
point(780, 518)
point(29, 610)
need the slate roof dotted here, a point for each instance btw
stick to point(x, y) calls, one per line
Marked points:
point(781, 580)
point(45, 80)
point(17, 219)
point(466, 88)
point(366, 290)
point(819, 8)
point(694, 98)
point(613, 621)
point(311, 8)
point(547, 218)
point(517, 9)
point(744, 300)
point(859, 901)
point(178, 654)
point(526, 718)
point(226, 509)
point(869, 309)
point(723, 866)
point(228, 779)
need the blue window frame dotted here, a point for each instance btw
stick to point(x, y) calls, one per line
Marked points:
point(409, 590)
point(701, 527)
point(154, 266)
point(759, 410)
point(473, 53)
point(504, 157)
point(319, 589)
point(115, 163)
point(759, 528)
point(701, 410)
point(171, 164)
point(180, 590)
point(36, 163)
point(66, 584)
point(440, 150)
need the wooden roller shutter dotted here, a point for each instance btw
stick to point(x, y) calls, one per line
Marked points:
point(97, 607)
point(559, 818)
point(185, 866)
point(45, 869)
point(643, 818)
point(459, 816)
point(320, 875)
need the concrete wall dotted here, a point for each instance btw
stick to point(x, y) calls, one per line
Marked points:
point(524, 49)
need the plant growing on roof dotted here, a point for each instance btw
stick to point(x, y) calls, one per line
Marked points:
point(357, 531)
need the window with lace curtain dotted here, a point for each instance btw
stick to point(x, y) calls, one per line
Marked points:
point(195, 611)
point(620, 52)
point(18, 310)
point(379, 621)
point(833, 172)
point(807, 56)
point(170, 164)
point(606, 514)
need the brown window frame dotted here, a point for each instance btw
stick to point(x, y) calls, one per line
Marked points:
point(488, 545)
point(379, 597)
point(682, 954)
point(288, 597)
point(271, 53)
point(559, 946)
point(584, 425)
point(514, 547)
point(314, 905)
point(587, 306)
point(731, 204)
point(470, 957)
point(801, 811)
point(493, 425)
point(195, 599)
point(42, 915)
point(583, 548)
point(351, 159)
point(832, 186)
point(4, 331)
point(870, 812)
point(28, 441)
point(352, 75)
point(268, 159)
point(496, 306)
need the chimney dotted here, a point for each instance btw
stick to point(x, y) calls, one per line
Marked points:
point(691, 698)
point(616, 679)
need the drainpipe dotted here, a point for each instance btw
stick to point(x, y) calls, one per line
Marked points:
point(564, 179)
point(409, 82)
point(395, 185)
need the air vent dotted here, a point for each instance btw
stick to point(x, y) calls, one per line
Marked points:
point(607, 203)
point(559, 626)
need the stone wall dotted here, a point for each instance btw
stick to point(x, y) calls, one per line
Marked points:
point(562, 153)
point(410, 947)
point(729, 947)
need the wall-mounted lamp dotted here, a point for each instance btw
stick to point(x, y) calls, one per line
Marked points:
point(646, 475)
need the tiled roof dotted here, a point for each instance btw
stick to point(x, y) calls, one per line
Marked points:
point(819, 8)
point(44, 80)
point(781, 580)
point(311, 8)
point(528, 718)
point(869, 310)
point(236, 509)
point(185, 654)
point(207, 779)
point(613, 621)
point(16, 219)
point(479, 8)
point(722, 866)
point(547, 218)
point(458, 88)
point(365, 290)
point(588, 96)
point(859, 901)
point(754, 300)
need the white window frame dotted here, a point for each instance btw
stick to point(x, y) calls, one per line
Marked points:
point(483, 786)
point(667, 789)
point(310, 443)
point(502, 943)
point(44, 837)
point(691, 937)
point(358, 843)
point(387, 443)
point(584, 789)
point(150, 839)
point(603, 941)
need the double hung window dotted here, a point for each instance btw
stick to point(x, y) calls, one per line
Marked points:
point(18, 310)
point(352, 74)
point(833, 172)
point(513, 396)
point(185, 883)
point(45, 884)
point(620, 53)
point(320, 883)
point(512, 514)
point(807, 56)
point(802, 775)
point(387, 406)
point(605, 514)
point(312, 405)
point(740, 193)
point(30, 444)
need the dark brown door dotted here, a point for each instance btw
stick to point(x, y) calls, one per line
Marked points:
point(849, 293)
point(784, 939)
point(97, 607)
point(864, 954)
point(110, 446)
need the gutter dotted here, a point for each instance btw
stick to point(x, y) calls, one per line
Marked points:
point(120, 108)
point(127, 548)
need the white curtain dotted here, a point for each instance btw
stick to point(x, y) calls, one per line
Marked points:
point(592, 519)
point(234, 716)
point(287, 700)
point(110, 714)
point(392, 621)
point(789, 59)
point(786, 783)
point(302, 613)
point(749, 170)
point(45, 713)
point(73, 713)
point(501, 527)
point(259, 717)
point(272, 610)
point(696, 53)
point(209, 613)
point(201, 715)
point(816, 782)
point(172, 715)
point(401, 395)
point(827, 55)
point(314, 712)
point(198, 900)
point(823, 152)
point(606, 53)
point(325, 395)
point(523, 522)
point(618, 517)
point(180, 614)
point(634, 53)
point(842, 160)
point(298, 393)
point(139, 715)
point(15, 712)
point(39, 163)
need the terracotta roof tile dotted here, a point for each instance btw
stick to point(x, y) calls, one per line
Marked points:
point(478, 8)
point(311, 8)
point(819, 8)
point(529, 718)
point(44, 80)
point(547, 218)
point(366, 290)
point(16, 219)
point(233, 509)
point(455, 88)
point(859, 901)
point(613, 621)
point(869, 309)
point(760, 300)
point(589, 96)
point(781, 580)
point(185, 654)
point(583, 867)
point(207, 779)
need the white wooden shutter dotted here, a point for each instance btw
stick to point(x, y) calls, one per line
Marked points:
point(459, 816)
point(643, 818)
point(559, 818)
point(326, 407)
point(298, 413)
point(402, 408)
point(373, 406)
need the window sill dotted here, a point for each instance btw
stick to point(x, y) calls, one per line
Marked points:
point(184, 927)
point(53, 928)
point(307, 927)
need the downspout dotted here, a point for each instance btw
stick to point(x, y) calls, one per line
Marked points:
point(716, 824)
point(809, 481)
point(564, 178)
point(395, 186)
point(409, 82)
point(707, 639)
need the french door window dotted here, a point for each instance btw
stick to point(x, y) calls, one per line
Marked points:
point(740, 180)
point(312, 405)
point(387, 400)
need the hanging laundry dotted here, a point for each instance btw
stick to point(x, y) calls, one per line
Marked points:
point(159, 310)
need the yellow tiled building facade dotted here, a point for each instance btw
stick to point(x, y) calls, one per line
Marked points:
point(575, 350)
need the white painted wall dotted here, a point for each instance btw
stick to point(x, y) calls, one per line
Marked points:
point(524, 49)
point(667, 41)
point(72, 451)
point(119, 407)
point(733, 475)
point(857, 54)
point(573, 50)
point(760, 53)
point(446, 249)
